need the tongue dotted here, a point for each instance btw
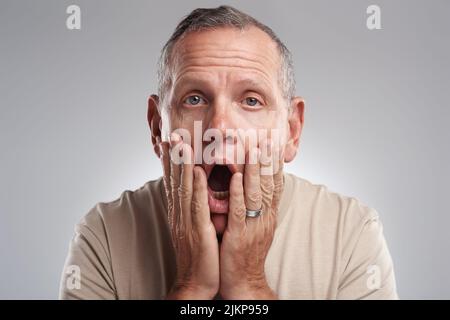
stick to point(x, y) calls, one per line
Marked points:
point(219, 179)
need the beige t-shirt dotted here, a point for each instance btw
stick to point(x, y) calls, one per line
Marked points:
point(326, 246)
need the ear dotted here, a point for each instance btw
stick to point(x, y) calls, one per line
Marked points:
point(295, 126)
point(154, 122)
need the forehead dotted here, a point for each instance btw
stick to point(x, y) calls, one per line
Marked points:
point(247, 51)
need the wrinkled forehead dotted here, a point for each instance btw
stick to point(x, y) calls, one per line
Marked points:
point(248, 50)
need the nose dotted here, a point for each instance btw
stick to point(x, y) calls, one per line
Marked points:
point(221, 117)
point(222, 121)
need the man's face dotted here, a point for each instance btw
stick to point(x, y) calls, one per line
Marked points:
point(225, 79)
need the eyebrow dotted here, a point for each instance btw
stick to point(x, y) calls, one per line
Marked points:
point(191, 81)
point(259, 85)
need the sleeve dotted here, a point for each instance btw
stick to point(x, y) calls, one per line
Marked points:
point(369, 272)
point(87, 272)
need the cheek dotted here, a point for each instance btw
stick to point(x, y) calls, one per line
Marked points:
point(169, 121)
point(179, 120)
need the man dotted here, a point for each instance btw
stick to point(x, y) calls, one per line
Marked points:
point(216, 227)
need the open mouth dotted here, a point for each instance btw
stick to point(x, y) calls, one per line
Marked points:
point(218, 188)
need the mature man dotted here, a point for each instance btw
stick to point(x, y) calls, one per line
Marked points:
point(214, 226)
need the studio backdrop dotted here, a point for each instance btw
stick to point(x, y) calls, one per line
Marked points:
point(73, 104)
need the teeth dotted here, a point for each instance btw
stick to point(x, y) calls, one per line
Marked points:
point(220, 195)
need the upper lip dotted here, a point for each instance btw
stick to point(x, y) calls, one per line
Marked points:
point(231, 166)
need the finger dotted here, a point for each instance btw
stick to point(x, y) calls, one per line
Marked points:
point(252, 188)
point(171, 217)
point(175, 171)
point(185, 188)
point(278, 179)
point(266, 176)
point(165, 163)
point(264, 228)
point(236, 214)
point(199, 205)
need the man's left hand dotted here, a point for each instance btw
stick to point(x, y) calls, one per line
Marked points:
point(247, 240)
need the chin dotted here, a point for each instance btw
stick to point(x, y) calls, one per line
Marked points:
point(220, 222)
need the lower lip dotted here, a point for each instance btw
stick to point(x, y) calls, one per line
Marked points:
point(216, 205)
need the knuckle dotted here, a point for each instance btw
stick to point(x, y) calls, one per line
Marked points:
point(235, 192)
point(180, 233)
point(278, 182)
point(184, 192)
point(196, 236)
point(167, 184)
point(267, 187)
point(266, 203)
point(278, 186)
point(196, 205)
point(239, 211)
point(170, 221)
point(254, 196)
point(173, 185)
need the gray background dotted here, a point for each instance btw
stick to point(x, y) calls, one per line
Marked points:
point(74, 132)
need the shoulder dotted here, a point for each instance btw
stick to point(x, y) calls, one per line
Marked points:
point(102, 247)
point(113, 239)
point(130, 207)
point(344, 230)
point(335, 220)
point(323, 203)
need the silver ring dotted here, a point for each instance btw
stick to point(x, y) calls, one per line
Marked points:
point(253, 213)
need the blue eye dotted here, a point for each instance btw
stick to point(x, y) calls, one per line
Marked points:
point(251, 101)
point(193, 100)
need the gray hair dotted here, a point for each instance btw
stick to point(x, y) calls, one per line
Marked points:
point(223, 16)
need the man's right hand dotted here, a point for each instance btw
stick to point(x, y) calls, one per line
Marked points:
point(193, 233)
